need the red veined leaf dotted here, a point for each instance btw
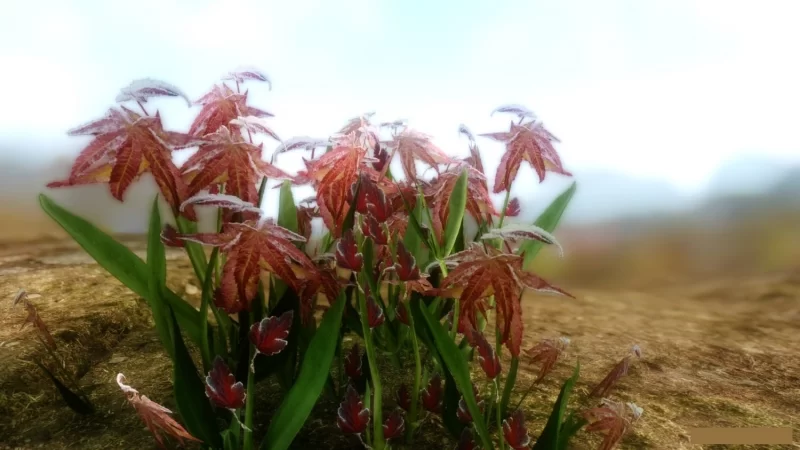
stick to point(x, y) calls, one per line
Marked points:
point(243, 74)
point(412, 146)
point(270, 334)
point(401, 312)
point(254, 124)
point(301, 142)
point(404, 397)
point(619, 371)
point(170, 237)
point(463, 412)
point(304, 216)
point(229, 202)
point(513, 208)
point(362, 130)
point(227, 159)
point(487, 357)
point(518, 110)
point(352, 363)
point(547, 352)
point(613, 420)
point(394, 425)
point(334, 188)
point(433, 394)
point(353, 417)
point(515, 432)
point(372, 199)
point(375, 315)
point(141, 90)
point(479, 203)
point(155, 417)
point(219, 107)
point(34, 319)
point(381, 158)
point(474, 159)
point(479, 273)
point(526, 142)
point(372, 228)
point(125, 146)
point(467, 441)
point(515, 233)
point(222, 387)
point(406, 265)
point(347, 254)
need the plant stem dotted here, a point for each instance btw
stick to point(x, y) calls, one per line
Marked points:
point(498, 415)
point(412, 414)
point(505, 207)
point(511, 380)
point(378, 442)
point(249, 439)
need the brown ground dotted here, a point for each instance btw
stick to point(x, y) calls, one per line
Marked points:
point(721, 352)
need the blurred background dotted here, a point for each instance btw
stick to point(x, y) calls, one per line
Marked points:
point(678, 119)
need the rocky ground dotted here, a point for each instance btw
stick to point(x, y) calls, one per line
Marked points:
point(720, 352)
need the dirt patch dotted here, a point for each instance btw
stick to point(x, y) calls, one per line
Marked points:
point(716, 353)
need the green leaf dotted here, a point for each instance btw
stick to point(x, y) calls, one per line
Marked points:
point(511, 380)
point(569, 429)
point(413, 240)
point(547, 221)
point(157, 262)
point(458, 367)
point(551, 437)
point(205, 300)
point(455, 217)
point(300, 400)
point(190, 393)
point(120, 262)
point(195, 250)
point(287, 210)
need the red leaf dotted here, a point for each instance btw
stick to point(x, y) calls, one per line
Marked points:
point(529, 142)
point(463, 412)
point(155, 416)
point(613, 420)
point(170, 237)
point(352, 363)
point(401, 312)
point(479, 203)
point(432, 395)
point(411, 146)
point(243, 74)
point(34, 319)
point(125, 146)
point(467, 441)
point(404, 397)
point(375, 315)
point(514, 431)
point(220, 106)
point(347, 254)
point(222, 387)
point(487, 357)
point(513, 208)
point(353, 417)
point(547, 352)
point(269, 335)
point(619, 371)
point(142, 90)
point(335, 186)
point(394, 425)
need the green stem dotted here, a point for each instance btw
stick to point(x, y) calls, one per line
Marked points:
point(205, 349)
point(511, 380)
point(195, 251)
point(505, 206)
point(412, 414)
point(378, 443)
point(249, 439)
point(498, 415)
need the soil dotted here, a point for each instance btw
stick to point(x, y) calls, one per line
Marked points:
point(716, 353)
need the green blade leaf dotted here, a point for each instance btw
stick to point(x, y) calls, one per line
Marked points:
point(195, 250)
point(455, 217)
point(458, 367)
point(76, 402)
point(190, 393)
point(157, 262)
point(205, 301)
point(547, 221)
point(120, 262)
point(300, 400)
point(551, 434)
point(287, 210)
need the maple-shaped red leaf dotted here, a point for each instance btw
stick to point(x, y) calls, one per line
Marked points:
point(412, 146)
point(252, 247)
point(155, 417)
point(405, 271)
point(254, 125)
point(487, 357)
point(34, 319)
point(170, 237)
point(463, 412)
point(513, 208)
point(305, 214)
point(375, 316)
point(375, 230)
point(479, 203)
point(547, 352)
point(347, 254)
point(364, 133)
point(619, 371)
point(394, 425)
point(380, 158)
point(228, 160)
point(479, 273)
point(613, 420)
point(125, 146)
point(401, 312)
point(143, 89)
point(433, 395)
point(467, 441)
point(514, 233)
point(404, 397)
point(529, 142)
point(515, 432)
point(352, 363)
point(270, 334)
point(222, 387)
point(353, 417)
point(220, 106)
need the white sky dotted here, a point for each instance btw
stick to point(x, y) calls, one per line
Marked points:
point(659, 89)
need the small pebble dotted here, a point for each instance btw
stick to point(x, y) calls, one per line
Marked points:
point(191, 290)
